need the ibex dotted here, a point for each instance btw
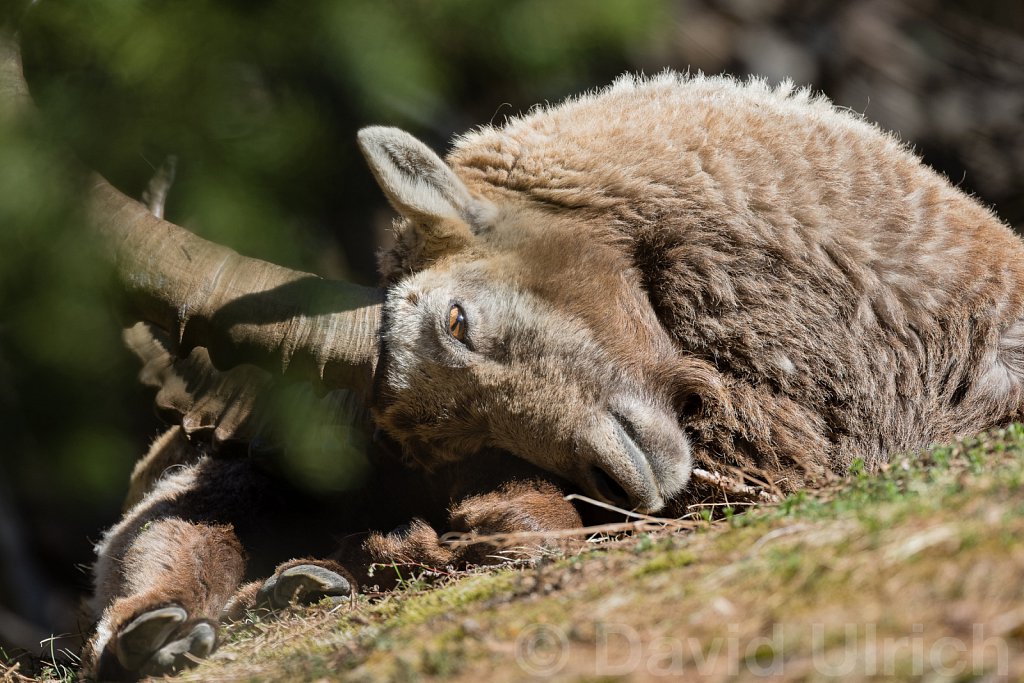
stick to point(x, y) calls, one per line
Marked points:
point(668, 273)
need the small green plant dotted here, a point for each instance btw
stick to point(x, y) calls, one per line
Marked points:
point(412, 581)
point(857, 468)
point(64, 668)
point(644, 542)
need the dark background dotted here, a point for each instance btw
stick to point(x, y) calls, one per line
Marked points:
point(260, 101)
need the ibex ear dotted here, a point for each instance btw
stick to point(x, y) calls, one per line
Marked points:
point(420, 185)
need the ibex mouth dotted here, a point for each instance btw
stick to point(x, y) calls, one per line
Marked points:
point(622, 475)
point(645, 495)
point(645, 459)
point(610, 490)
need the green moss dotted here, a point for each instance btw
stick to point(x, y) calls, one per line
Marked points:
point(456, 595)
point(444, 660)
point(664, 562)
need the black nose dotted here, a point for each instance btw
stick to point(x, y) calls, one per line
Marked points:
point(609, 489)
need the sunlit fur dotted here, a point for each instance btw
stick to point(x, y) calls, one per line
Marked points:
point(558, 338)
point(793, 280)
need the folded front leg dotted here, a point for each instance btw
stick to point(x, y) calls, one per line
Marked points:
point(521, 506)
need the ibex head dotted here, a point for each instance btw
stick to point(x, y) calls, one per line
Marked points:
point(513, 329)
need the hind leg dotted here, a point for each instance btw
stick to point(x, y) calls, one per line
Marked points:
point(165, 572)
point(175, 578)
point(528, 507)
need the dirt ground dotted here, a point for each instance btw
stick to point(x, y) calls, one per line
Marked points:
point(913, 573)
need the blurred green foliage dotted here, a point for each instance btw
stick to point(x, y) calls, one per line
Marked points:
point(260, 100)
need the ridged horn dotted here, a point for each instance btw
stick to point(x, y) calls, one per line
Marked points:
point(241, 309)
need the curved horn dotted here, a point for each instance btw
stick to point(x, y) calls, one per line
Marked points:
point(241, 309)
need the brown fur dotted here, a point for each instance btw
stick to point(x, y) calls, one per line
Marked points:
point(666, 273)
point(795, 281)
point(507, 507)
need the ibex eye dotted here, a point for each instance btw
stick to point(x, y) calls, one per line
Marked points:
point(457, 323)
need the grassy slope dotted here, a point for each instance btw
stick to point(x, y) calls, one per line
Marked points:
point(916, 571)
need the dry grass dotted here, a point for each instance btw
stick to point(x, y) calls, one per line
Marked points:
point(914, 572)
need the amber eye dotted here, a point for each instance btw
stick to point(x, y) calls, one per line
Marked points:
point(457, 322)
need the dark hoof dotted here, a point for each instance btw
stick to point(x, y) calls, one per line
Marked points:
point(183, 652)
point(304, 584)
point(146, 634)
point(157, 643)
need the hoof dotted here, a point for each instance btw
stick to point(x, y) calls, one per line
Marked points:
point(146, 634)
point(157, 643)
point(304, 584)
point(184, 652)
